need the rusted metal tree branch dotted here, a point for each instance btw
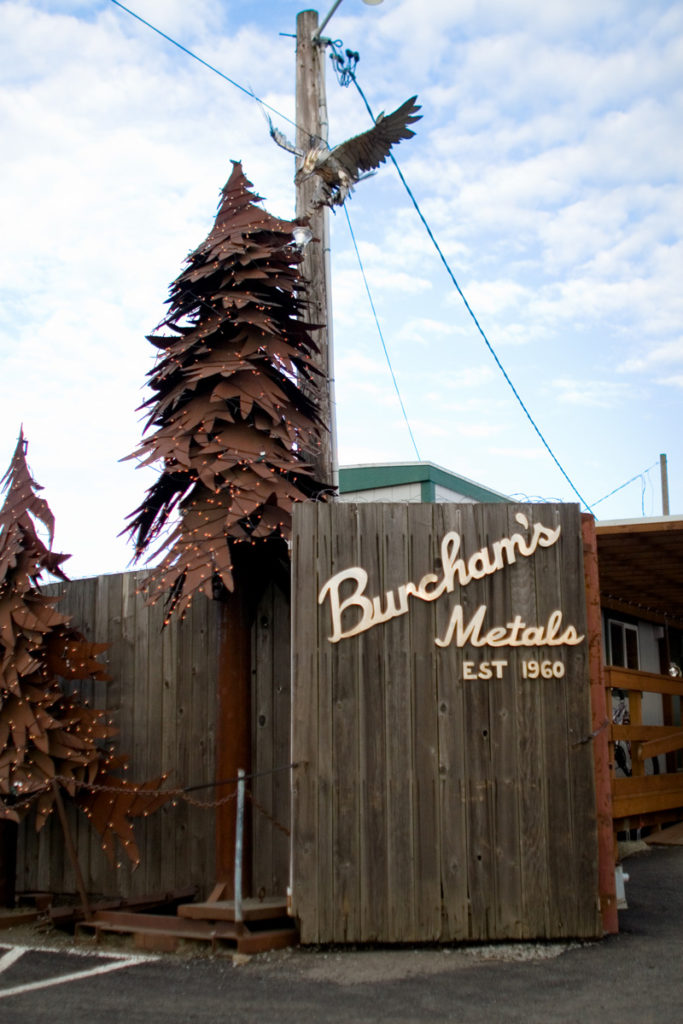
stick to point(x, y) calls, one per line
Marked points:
point(229, 422)
point(50, 739)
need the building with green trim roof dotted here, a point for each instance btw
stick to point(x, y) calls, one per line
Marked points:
point(411, 482)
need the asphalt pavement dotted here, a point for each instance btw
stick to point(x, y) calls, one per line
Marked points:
point(635, 976)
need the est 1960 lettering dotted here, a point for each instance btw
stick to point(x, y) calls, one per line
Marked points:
point(530, 668)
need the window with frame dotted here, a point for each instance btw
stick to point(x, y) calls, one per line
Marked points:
point(623, 644)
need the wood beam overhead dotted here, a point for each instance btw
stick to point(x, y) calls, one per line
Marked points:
point(641, 567)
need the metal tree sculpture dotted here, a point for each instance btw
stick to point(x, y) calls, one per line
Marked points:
point(231, 422)
point(50, 739)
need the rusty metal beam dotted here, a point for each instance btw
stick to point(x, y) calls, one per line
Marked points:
point(233, 731)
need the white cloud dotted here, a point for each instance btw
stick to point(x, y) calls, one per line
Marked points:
point(547, 163)
point(671, 352)
point(586, 392)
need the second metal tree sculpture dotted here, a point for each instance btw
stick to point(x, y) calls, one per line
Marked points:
point(229, 421)
point(50, 739)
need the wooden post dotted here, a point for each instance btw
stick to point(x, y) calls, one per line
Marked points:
point(665, 485)
point(311, 119)
point(601, 718)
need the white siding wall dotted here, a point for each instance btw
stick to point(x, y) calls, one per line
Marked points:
point(405, 492)
point(446, 494)
point(401, 492)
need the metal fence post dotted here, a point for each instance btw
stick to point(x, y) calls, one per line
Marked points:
point(239, 845)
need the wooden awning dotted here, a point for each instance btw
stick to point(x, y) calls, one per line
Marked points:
point(640, 562)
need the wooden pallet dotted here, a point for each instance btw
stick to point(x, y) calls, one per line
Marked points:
point(164, 933)
point(67, 917)
point(10, 918)
point(269, 908)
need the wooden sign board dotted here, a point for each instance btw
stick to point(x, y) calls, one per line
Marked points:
point(444, 787)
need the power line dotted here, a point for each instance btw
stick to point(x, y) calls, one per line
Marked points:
point(472, 314)
point(252, 95)
point(379, 331)
point(638, 476)
point(242, 88)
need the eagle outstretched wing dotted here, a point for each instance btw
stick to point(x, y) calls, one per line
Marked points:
point(282, 140)
point(367, 151)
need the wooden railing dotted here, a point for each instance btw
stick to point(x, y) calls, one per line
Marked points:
point(648, 798)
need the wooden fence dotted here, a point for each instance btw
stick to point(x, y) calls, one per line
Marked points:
point(163, 700)
point(436, 795)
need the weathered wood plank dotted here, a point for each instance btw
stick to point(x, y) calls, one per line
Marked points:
point(106, 605)
point(168, 755)
point(479, 782)
point(305, 724)
point(209, 822)
point(201, 762)
point(416, 526)
point(531, 777)
point(562, 876)
point(271, 731)
point(400, 758)
point(497, 521)
point(452, 768)
point(281, 780)
point(345, 749)
point(324, 759)
point(149, 724)
point(372, 725)
point(263, 739)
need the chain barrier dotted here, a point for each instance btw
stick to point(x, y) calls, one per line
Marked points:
point(174, 795)
point(266, 814)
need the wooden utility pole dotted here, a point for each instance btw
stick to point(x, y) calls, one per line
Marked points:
point(665, 485)
point(312, 127)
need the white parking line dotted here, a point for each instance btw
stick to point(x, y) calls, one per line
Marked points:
point(64, 978)
point(10, 957)
point(99, 954)
point(116, 962)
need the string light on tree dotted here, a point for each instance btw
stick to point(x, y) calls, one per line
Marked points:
point(228, 421)
point(50, 739)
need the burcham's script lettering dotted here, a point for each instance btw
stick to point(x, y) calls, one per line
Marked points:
point(371, 611)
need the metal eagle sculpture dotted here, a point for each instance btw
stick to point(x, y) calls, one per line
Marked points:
point(339, 169)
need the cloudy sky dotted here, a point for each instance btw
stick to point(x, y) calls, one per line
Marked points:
point(547, 162)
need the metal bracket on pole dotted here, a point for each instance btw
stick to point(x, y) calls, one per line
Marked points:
point(315, 36)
